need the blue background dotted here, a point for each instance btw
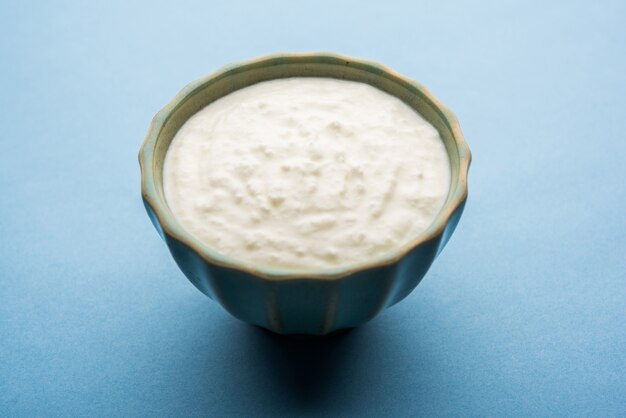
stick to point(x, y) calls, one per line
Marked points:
point(523, 314)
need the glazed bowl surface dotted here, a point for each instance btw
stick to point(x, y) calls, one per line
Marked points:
point(289, 301)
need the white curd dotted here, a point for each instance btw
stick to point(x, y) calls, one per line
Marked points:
point(306, 173)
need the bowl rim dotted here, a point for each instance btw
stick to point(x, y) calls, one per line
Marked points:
point(173, 229)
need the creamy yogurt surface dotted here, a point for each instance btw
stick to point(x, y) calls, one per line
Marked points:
point(306, 174)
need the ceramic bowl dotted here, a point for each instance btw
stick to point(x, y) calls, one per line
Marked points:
point(316, 302)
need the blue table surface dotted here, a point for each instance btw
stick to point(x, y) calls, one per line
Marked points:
point(523, 314)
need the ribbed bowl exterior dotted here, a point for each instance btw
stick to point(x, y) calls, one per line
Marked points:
point(307, 306)
point(298, 303)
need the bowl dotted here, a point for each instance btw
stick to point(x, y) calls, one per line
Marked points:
point(311, 302)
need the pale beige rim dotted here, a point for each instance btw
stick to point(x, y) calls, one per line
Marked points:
point(173, 229)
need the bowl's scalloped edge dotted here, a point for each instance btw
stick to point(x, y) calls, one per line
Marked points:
point(169, 227)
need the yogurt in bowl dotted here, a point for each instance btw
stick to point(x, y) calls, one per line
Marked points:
point(305, 192)
point(306, 173)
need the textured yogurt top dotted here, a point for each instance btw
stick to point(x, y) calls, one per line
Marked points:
point(306, 174)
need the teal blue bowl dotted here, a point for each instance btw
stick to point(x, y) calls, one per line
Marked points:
point(312, 302)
